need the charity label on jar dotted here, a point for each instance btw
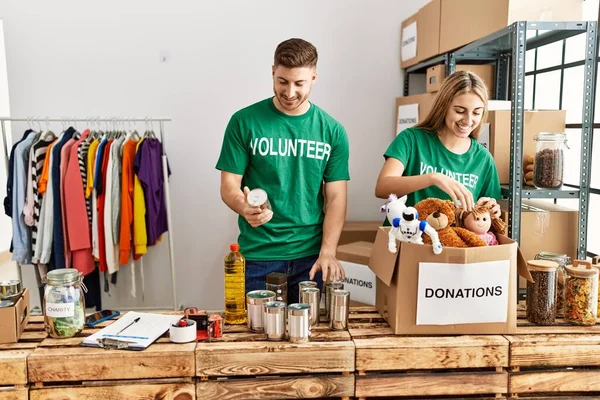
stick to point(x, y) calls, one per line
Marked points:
point(60, 310)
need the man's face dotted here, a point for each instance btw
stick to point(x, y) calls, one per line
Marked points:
point(292, 87)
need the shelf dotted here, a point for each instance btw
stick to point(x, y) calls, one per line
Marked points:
point(530, 192)
point(499, 43)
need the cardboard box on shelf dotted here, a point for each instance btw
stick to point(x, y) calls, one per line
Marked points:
point(359, 231)
point(546, 227)
point(360, 280)
point(461, 291)
point(420, 35)
point(410, 110)
point(464, 21)
point(14, 319)
point(496, 135)
point(437, 74)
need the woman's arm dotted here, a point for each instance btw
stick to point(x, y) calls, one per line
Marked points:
point(391, 180)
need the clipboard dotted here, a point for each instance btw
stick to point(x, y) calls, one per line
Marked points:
point(133, 331)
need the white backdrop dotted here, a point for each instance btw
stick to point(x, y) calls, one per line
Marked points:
point(198, 62)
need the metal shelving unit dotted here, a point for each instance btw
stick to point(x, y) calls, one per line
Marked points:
point(507, 49)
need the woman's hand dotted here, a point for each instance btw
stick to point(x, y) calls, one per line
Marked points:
point(456, 190)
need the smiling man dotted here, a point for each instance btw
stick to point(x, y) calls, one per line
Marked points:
point(298, 154)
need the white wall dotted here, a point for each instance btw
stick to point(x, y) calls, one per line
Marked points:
point(82, 58)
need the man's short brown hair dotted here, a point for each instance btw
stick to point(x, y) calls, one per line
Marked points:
point(296, 53)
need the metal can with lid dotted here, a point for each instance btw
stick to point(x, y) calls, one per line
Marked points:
point(255, 301)
point(299, 323)
point(330, 287)
point(274, 320)
point(277, 282)
point(64, 303)
point(340, 309)
point(258, 198)
point(303, 285)
point(312, 297)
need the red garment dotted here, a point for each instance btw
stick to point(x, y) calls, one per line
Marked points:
point(101, 202)
point(77, 222)
point(65, 154)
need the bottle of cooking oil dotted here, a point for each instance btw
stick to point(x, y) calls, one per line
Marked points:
point(235, 286)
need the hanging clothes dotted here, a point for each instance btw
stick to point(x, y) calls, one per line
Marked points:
point(148, 167)
point(43, 245)
point(64, 162)
point(140, 237)
point(8, 200)
point(101, 184)
point(127, 187)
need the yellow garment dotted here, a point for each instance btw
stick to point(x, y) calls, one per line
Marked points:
point(139, 216)
point(91, 163)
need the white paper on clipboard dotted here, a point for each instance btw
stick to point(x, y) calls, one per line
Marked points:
point(138, 335)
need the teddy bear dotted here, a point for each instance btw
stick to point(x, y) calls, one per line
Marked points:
point(440, 214)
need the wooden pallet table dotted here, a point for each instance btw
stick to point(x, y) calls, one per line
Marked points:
point(554, 362)
point(13, 361)
point(62, 369)
point(425, 367)
point(243, 365)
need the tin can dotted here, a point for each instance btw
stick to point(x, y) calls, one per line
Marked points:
point(312, 297)
point(258, 198)
point(215, 326)
point(274, 320)
point(340, 302)
point(303, 285)
point(329, 287)
point(255, 301)
point(299, 323)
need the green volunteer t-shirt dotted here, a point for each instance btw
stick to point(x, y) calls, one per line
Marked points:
point(423, 153)
point(289, 157)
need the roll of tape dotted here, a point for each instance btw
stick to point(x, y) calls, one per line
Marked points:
point(183, 334)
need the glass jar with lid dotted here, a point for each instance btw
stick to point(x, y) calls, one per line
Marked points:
point(541, 293)
point(562, 260)
point(64, 303)
point(581, 293)
point(549, 160)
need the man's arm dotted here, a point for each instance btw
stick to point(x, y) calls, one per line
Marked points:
point(232, 195)
point(335, 216)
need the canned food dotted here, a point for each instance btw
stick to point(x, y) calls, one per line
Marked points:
point(258, 198)
point(305, 284)
point(329, 287)
point(255, 301)
point(299, 323)
point(312, 297)
point(274, 320)
point(215, 326)
point(340, 302)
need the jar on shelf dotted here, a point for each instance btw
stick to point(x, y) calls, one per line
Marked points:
point(64, 303)
point(541, 293)
point(596, 264)
point(562, 260)
point(549, 160)
point(581, 293)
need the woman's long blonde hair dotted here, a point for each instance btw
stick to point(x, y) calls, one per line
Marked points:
point(458, 83)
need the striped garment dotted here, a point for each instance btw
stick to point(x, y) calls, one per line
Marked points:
point(82, 152)
point(36, 165)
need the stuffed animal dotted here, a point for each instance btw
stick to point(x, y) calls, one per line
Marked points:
point(409, 229)
point(393, 207)
point(481, 222)
point(440, 214)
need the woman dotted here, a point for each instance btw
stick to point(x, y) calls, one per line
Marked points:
point(441, 157)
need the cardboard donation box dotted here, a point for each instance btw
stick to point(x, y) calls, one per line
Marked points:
point(495, 135)
point(420, 35)
point(464, 21)
point(360, 280)
point(359, 231)
point(437, 74)
point(461, 291)
point(410, 110)
point(14, 319)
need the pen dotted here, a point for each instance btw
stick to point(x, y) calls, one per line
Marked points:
point(132, 322)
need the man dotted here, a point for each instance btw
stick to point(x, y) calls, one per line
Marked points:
point(298, 154)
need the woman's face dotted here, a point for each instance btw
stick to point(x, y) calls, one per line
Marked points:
point(464, 114)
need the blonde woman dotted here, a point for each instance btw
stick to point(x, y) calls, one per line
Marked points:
point(441, 157)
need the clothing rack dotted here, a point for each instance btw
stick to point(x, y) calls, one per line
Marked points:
point(113, 120)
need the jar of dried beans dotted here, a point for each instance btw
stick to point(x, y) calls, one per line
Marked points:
point(561, 274)
point(581, 293)
point(541, 293)
point(549, 160)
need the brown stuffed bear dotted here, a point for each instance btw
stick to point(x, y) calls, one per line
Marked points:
point(440, 215)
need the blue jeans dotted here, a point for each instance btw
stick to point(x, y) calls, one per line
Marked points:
point(296, 270)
